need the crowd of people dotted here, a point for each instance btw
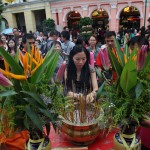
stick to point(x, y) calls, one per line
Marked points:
point(77, 55)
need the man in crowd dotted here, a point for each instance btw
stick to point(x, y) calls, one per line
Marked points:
point(16, 34)
point(67, 45)
point(110, 74)
point(53, 36)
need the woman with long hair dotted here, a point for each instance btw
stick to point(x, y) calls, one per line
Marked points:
point(79, 76)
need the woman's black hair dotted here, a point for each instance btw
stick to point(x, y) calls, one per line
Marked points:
point(71, 69)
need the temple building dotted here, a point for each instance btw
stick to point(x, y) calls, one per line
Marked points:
point(108, 14)
point(26, 14)
point(112, 14)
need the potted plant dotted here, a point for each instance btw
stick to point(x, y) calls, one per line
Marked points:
point(126, 101)
point(86, 27)
point(29, 99)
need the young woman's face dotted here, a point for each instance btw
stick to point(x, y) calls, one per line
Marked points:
point(79, 60)
point(11, 43)
point(92, 41)
point(57, 47)
point(3, 38)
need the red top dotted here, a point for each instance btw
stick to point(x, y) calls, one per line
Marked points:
point(99, 64)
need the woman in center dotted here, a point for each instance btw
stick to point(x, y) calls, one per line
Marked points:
point(80, 77)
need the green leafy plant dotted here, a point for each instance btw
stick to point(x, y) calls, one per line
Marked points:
point(31, 75)
point(127, 99)
point(86, 27)
point(48, 25)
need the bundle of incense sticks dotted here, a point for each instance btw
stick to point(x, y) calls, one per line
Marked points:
point(84, 111)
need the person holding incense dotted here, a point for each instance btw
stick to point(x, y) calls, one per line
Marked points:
point(80, 77)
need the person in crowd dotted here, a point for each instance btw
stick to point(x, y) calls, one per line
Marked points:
point(73, 35)
point(2, 66)
point(110, 74)
point(12, 47)
point(126, 38)
point(79, 76)
point(82, 41)
point(131, 35)
point(65, 28)
point(67, 45)
point(53, 37)
point(137, 42)
point(43, 44)
point(57, 47)
point(93, 45)
point(37, 44)
point(40, 37)
point(28, 38)
point(16, 34)
point(4, 42)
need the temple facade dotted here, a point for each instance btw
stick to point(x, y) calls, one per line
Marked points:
point(112, 14)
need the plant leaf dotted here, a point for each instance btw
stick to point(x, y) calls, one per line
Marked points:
point(114, 61)
point(98, 72)
point(36, 77)
point(51, 66)
point(138, 90)
point(34, 117)
point(100, 90)
point(35, 97)
point(128, 77)
point(15, 67)
point(47, 113)
point(26, 122)
point(33, 102)
point(119, 52)
point(126, 50)
point(7, 93)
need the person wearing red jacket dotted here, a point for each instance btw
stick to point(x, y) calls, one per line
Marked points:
point(107, 75)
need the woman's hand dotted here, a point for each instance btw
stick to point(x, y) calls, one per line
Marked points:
point(91, 97)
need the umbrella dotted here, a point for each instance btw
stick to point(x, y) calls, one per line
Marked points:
point(7, 31)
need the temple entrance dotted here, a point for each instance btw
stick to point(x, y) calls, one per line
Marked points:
point(73, 19)
point(130, 18)
point(100, 19)
point(100, 23)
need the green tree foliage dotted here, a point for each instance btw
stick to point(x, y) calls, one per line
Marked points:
point(48, 25)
